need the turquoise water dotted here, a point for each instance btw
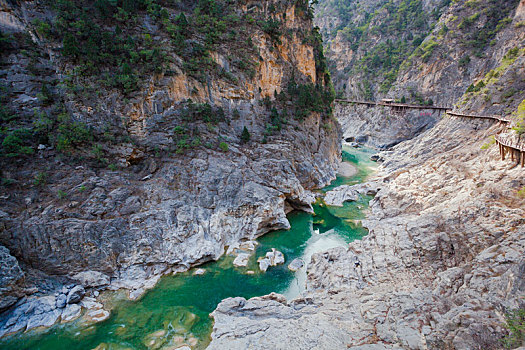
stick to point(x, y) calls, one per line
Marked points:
point(177, 310)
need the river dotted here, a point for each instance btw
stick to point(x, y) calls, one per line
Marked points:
point(177, 310)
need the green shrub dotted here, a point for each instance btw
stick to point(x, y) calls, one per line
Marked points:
point(42, 28)
point(509, 93)
point(464, 61)
point(62, 194)
point(40, 179)
point(520, 119)
point(272, 28)
point(477, 87)
point(71, 134)
point(45, 95)
point(515, 324)
point(15, 144)
point(223, 146)
point(492, 140)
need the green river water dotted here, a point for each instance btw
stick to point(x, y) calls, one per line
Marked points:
point(177, 310)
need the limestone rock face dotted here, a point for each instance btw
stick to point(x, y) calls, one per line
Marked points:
point(10, 278)
point(92, 278)
point(381, 128)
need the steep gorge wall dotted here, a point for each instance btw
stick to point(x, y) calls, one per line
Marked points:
point(169, 182)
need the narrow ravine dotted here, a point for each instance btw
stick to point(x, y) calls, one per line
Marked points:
point(176, 311)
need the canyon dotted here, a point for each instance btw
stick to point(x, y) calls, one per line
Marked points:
point(187, 165)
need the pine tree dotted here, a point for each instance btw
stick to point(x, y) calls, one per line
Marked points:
point(245, 136)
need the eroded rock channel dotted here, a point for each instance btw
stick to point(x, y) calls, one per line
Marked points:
point(176, 312)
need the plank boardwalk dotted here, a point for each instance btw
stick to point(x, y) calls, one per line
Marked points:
point(393, 105)
point(493, 117)
point(516, 148)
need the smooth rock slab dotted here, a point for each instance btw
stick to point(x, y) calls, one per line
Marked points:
point(92, 278)
point(97, 315)
point(341, 194)
point(248, 245)
point(241, 260)
point(71, 312)
point(347, 169)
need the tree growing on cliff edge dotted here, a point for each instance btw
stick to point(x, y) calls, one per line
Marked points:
point(245, 136)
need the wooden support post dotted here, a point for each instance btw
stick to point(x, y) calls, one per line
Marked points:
point(503, 154)
point(522, 159)
point(512, 154)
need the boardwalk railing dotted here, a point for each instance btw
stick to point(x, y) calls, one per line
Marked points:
point(493, 117)
point(516, 148)
point(394, 105)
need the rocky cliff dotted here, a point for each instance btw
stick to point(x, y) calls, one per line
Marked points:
point(443, 264)
point(419, 52)
point(141, 138)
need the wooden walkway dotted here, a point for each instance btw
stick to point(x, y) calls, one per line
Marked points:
point(400, 106)
point(492, 117)
point(516, 148)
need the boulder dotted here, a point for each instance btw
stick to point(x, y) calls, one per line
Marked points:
point(296, 264)
point(61, 301)
point(241, 260)
point(264, 264)
point(76, 294)
point(71, 312)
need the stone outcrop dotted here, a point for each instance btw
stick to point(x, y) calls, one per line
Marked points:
point(11, 278)
point(272, 258)
point(380, 127)
point(347, 193)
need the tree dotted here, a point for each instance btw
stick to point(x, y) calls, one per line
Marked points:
point(245, 136)
point(70, 46)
